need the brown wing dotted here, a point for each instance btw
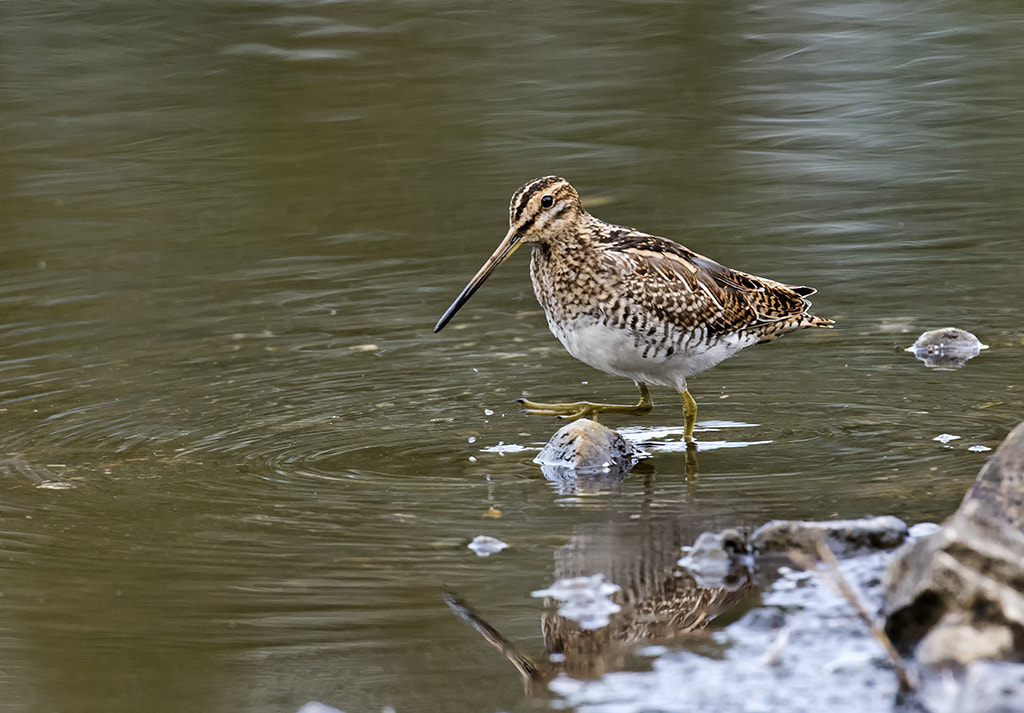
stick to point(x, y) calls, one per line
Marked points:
point(675, 284)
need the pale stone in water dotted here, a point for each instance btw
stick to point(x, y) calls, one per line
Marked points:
point(485, 545)
point(947, 348)
point(587, 445)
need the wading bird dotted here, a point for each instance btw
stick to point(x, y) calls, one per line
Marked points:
point(632, 304)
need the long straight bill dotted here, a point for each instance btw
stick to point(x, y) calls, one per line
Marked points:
point(500, 255)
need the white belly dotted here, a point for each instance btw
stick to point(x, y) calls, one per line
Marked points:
point(622, 353)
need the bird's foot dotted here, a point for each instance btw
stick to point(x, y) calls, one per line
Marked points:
point(582, 409)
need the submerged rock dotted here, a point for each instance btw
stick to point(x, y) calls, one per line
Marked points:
point(947, 348)
point(585, 445)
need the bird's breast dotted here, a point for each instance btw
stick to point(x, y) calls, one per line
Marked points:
point(664, 357)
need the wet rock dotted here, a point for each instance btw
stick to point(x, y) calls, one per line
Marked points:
point(947, 348)
point(842, 536)
point(969, 573)
point(958, 594)
point(585, 445)
point(956, 639)
point(718, 559)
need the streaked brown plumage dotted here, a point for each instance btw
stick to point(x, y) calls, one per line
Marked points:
point(632, 304)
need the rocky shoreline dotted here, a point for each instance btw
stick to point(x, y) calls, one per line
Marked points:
point(950, 600)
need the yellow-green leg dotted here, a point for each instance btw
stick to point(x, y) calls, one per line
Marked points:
point(586, 409)
point(689, 419)
point(689, 415)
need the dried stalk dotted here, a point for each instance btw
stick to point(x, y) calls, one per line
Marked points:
point(837, 581)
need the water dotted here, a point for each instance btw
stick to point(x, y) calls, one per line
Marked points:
point(238, 470)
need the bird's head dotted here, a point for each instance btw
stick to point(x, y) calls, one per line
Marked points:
point(540, 211)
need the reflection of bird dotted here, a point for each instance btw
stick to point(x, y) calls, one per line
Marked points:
point(661, 602)
point(678, 607)
point(633, 304)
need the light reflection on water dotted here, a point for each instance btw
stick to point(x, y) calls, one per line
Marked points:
point(237, 465)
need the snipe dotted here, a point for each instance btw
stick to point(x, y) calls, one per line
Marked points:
point(632, 304)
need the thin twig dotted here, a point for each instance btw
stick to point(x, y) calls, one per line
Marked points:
point(833, 576)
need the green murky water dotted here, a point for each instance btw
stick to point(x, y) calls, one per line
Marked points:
point(238, 469)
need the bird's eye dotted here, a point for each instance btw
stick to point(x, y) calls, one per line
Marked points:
point(546, 202)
